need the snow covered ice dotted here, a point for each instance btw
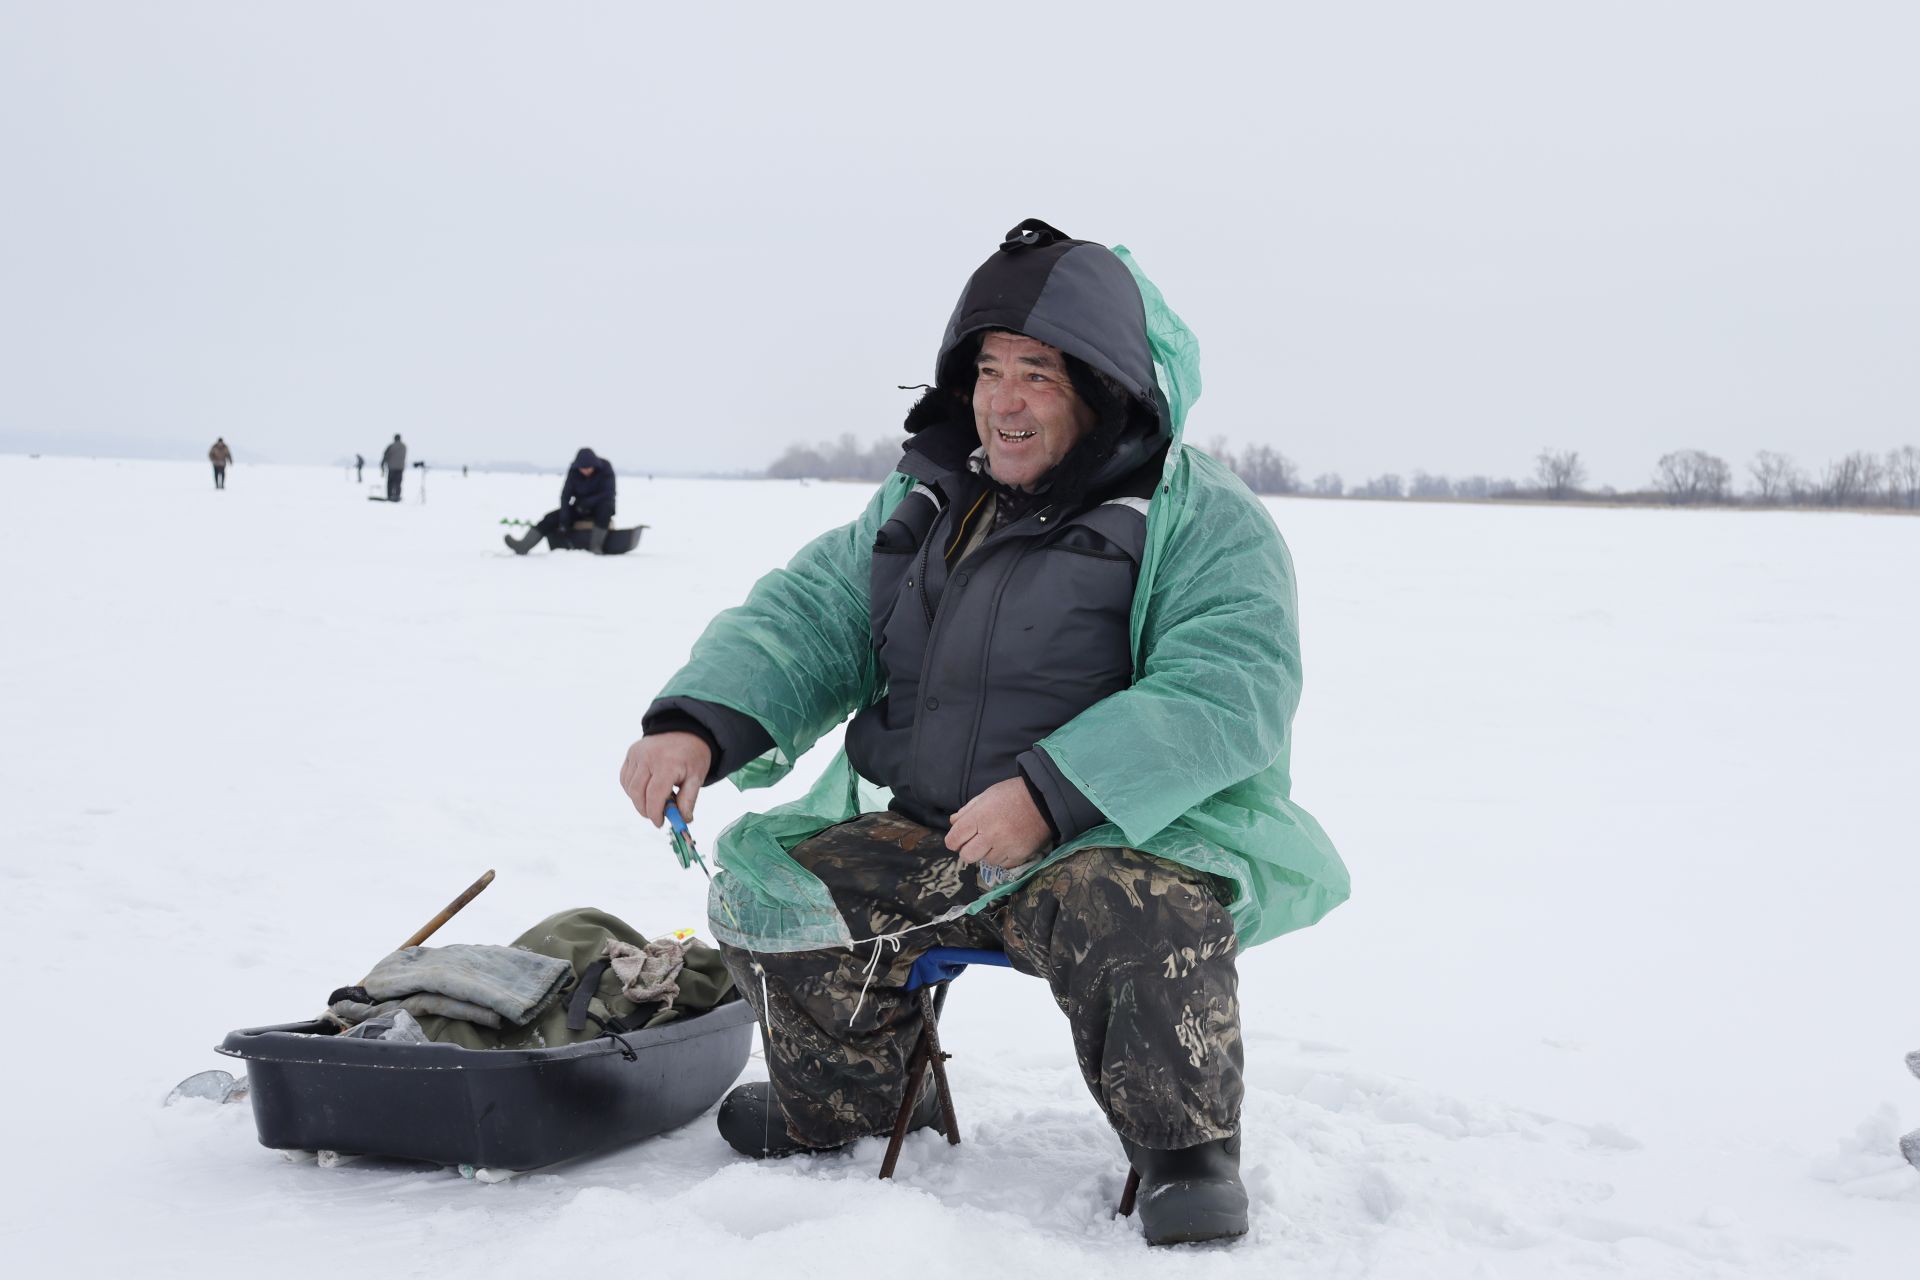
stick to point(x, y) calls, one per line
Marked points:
point(1624, 987)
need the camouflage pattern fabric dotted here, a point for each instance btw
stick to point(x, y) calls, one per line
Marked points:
point(579, 937)
point(1139, 953)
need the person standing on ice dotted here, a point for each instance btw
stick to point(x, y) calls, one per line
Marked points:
point(220, 456)
point(359, 466)
point(588, 494)
point(394, 462)
point(1069, 646)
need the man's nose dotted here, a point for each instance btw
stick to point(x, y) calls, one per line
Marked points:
point(1006, 398)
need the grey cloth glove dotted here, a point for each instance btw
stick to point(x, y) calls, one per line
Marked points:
point(471, 981)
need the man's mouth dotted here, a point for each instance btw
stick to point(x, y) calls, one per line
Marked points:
point(1011, 436)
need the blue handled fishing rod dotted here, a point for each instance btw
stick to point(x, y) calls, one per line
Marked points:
point(689, 853)
point(683, 846)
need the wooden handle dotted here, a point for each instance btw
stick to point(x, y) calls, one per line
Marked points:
point(427, 930)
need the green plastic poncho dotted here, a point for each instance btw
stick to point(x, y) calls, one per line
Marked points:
point(1190, 763)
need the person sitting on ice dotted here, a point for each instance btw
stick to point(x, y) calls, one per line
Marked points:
point(586, 496)
point(1069, 646)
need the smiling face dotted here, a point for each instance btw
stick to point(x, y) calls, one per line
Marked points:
point(1025, 408)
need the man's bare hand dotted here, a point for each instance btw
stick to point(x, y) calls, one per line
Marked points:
point(661, 765)
point(1000, 826)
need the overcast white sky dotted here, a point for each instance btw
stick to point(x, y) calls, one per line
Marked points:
point(1432, 236)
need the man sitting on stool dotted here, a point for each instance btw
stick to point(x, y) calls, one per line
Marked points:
point(587, 495)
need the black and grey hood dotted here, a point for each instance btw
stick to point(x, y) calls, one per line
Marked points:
point(1072, 294)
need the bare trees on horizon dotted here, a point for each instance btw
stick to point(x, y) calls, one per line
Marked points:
point(1860, 479)
point(1692, 475)
point(1559, 472)
point(1266, 470)
point(1775, 476)
point(843, 459)
point(1684, 477)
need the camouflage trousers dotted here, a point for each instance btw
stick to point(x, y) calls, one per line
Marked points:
point(1138, 951)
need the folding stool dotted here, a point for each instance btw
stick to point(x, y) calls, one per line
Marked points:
point(930, 977)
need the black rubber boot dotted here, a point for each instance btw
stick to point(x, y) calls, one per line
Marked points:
point(597, 540)
point(1191, 1195)
point(525, 542)
point(753, 1125)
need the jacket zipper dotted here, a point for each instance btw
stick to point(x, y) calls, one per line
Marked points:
point(926, 604)
point(933, 635)
point(986, 651)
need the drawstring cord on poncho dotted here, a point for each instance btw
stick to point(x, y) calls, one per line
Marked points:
point(883, 944)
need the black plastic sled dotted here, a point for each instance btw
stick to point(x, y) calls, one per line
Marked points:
point(508, 1109)
point(578, 538)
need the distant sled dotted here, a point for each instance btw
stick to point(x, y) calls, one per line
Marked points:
point(619, 541)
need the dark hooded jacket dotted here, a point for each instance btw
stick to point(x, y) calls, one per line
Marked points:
point(589, 497)
point(990, 643)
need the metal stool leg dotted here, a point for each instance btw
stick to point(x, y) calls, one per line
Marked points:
point(916, 1072)
point(937, 1058)
point(1127, 1195)
point(926, 1052)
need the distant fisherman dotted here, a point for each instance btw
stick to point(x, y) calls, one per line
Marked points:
point(586, 496)
point(220, 456)
point(395, 462)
